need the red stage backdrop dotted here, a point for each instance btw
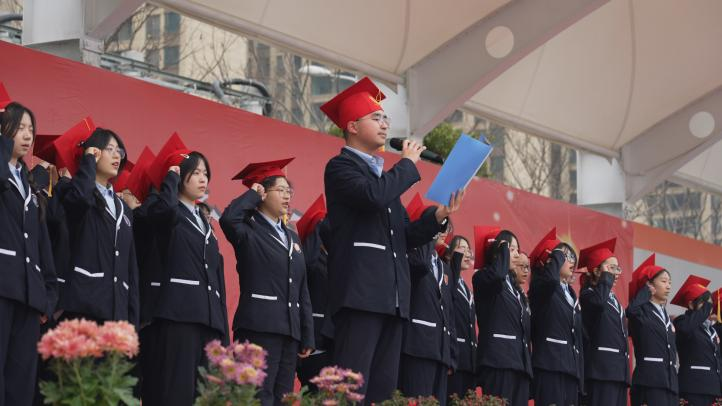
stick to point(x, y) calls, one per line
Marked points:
point(61, 92)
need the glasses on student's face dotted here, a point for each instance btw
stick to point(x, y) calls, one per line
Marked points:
point(615, 269)
point(111, 150)
point(379, 118)
point(282, 190)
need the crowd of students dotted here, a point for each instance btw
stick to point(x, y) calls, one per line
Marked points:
point(360, 281)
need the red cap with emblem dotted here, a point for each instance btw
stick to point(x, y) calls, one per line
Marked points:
point(310, 219)
point(4, 97)
point(540, 253)
point(257, 172)
point(174, 151)
point(362, 98)
point(694, 287)
point(593, 256)
point(484, 236)
point(63, 151)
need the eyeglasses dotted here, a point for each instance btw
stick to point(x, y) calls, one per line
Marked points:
point(615, 269)
point(282, 190)
point(112, 150)
point(379, 118)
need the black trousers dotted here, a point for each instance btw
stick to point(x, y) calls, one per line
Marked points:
point(606, 393)
point(461, 382)
point(282, 355)
point(369, 343)
point(309, 368)
point(423, 377)
point(176, 350)
point(643, 395)
point(695, 399)
point(513, 386)
point(19, 336)
point(555, 388)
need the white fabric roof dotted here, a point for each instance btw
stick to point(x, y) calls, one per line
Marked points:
point(622, 78)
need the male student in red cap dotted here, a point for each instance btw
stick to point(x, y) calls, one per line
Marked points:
point(368, 269)
point(605, 343)
point(700, 369)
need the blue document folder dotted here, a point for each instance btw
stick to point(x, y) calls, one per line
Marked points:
point(463, 163)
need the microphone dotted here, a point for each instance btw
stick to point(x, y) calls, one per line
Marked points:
point(398, 144)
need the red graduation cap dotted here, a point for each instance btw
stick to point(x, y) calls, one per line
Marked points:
point(173, 152)
point(690, 290)
point(310, 219)
point(644, 272)
point(441, 248)
point(4, 96)
point(416, 207)
point(540, 253)
point(256, 172)
point(139, 182)
point(362, 98)
point(593, 256)
point(63, 151)
point(484, 236)
point(120, 182)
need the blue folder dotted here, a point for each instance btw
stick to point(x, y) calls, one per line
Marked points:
point(463, 163)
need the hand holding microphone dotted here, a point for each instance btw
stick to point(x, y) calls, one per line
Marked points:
point(401, 144)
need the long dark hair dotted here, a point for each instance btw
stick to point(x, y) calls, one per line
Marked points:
point(453, 245)
point(11, 118)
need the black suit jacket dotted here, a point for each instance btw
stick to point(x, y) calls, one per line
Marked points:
point(368, 266)
point(557, 346)
point(655, 348)
point(102, 279)
point(26, 259)
point(606, 352)
point(274, 292)
point(430, 330)
point(699, 353)
point(503, 318)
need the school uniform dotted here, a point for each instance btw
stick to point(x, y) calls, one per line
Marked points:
point(605, 347)
point(654, 381)
point(274, 308)
point(426, 357)
point(190, 309)
point(463, 377)
point(29, 285)
point(700, 376)
point(556, 344)
point(503, 357)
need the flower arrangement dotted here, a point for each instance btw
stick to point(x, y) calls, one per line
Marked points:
point(473, 398)
point(233, 376)
point(90, 363)
point(336, 387)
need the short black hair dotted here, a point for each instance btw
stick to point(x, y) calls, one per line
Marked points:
point(12, 116)
point(270, 181)
point(100, 138)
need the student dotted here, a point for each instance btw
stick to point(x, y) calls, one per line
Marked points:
point(102, 280)
point(313, 231)
point(698, 344)
point(605, 346)
point(463, 378)
point(554, 308)
point(503, 358)
point(426, 357)
point(190, 309)
point(28, 291)
point(368, 269)
point(654, 381)
point(274, 310)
